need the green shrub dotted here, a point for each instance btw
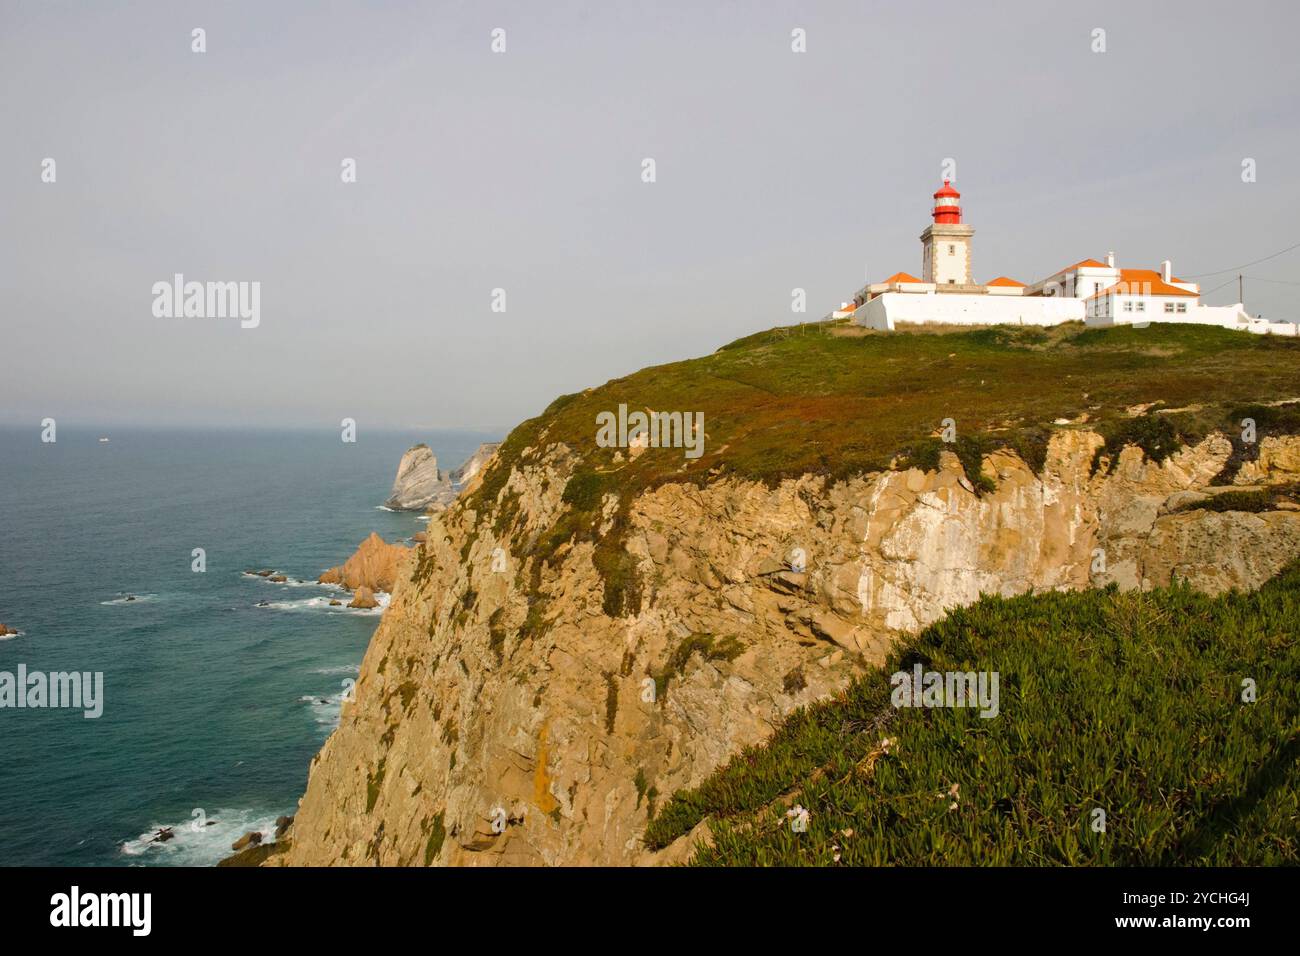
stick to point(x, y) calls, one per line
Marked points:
point(584, 490)
point(611, 701)
point(706, 646)
point(373, 783)
point(1154, 434)
point(1263, 499)
point(970, 450)
point(437, 834)
point(618, 571)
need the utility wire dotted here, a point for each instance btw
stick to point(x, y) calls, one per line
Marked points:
point(1203, 275)
point(1262, 279)
point(1221, 285)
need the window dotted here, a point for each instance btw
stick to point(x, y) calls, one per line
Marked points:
point(1169, 307)
point(1182, 306)
point(952, 250)
point(952, 281)
point(1141, 306)
point(1128, 306)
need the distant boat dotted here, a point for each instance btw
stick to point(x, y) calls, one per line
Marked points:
point(103, 440)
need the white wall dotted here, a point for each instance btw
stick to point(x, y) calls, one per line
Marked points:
point(1144, 308)
point(1223, 316)
point(1264, 327)
point(957, 308)
point(1078, 284)
point(1090, 279)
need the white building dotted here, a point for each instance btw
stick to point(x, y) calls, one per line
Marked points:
point(1099, 293)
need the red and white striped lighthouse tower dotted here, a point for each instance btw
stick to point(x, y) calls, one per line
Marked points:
point(945, 245)
point(947, 205)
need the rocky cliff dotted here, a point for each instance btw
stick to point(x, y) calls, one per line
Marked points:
point(532, 692)
point(464, 475)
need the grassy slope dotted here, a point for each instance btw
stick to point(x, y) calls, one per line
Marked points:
point(1127, 702)
point(784, 403)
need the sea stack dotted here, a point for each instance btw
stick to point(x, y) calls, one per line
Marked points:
point(373, 565)
point(419, 483)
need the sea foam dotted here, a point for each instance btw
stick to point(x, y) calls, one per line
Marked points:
point(203, 846)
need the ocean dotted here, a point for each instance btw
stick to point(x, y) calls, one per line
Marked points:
point(218, 687)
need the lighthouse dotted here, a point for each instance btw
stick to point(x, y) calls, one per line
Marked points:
point(945, 244)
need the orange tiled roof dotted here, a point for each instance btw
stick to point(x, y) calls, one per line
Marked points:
point(901, 277)
point(1005, 281)
point(1082, 264)
point(1142, 282)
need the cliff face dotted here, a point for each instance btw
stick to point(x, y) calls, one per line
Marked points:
point(474, 465)
point(502, 716)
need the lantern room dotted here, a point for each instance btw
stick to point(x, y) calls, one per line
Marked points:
point(947, 205)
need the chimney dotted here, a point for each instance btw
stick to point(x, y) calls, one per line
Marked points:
point(1166, 270)
point(1110, 260)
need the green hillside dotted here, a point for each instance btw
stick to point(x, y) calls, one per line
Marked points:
point(838, 399)
point(1127, 702)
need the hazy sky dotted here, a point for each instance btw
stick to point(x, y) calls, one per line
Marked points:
point(522, 171)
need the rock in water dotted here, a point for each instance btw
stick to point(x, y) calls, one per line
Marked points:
point(364, 598)
point(373, 565)
point(421, 486)
point(419, 483)
point(5, 631)
point(251, 838)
